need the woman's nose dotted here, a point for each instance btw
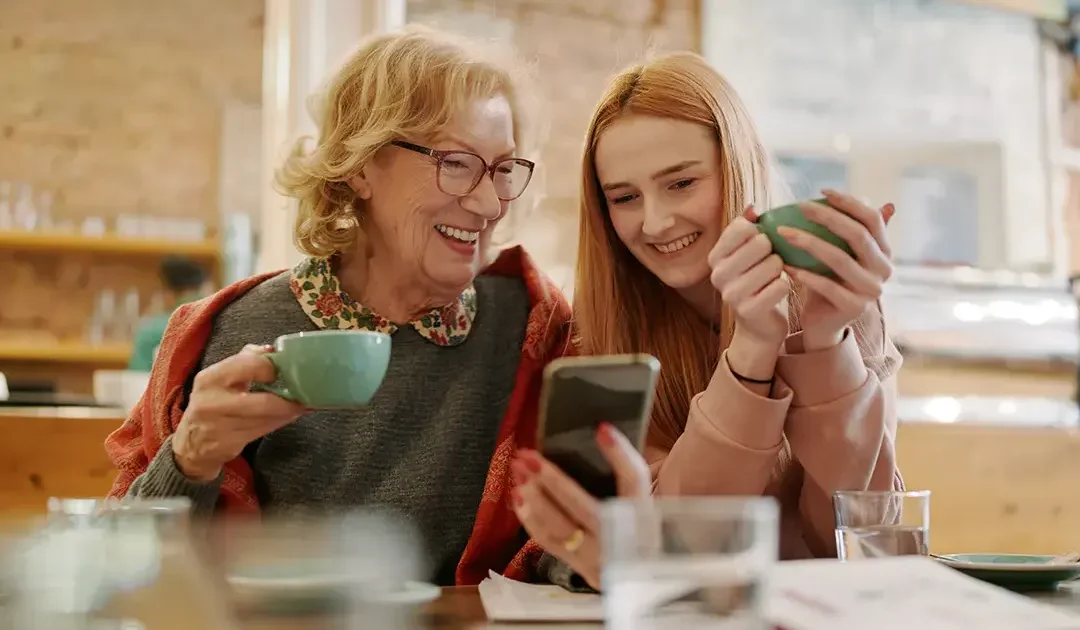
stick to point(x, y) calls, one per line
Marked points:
point(657, 220)
point(483, 201)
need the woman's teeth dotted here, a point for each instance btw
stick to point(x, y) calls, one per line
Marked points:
point(464, 236)
point(677, 244)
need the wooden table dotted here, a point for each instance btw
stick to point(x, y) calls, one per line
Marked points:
point(460, 609)
point(457, 609)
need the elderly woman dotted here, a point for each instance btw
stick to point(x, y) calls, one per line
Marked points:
point(418, 159)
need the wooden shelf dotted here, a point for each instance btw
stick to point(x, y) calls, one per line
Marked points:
point(108, 244)
point(105, 355)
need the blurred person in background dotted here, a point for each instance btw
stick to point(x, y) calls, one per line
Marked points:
point(418, 158)
point(775, 381)
point(185, 281)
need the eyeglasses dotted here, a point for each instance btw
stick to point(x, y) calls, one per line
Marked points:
point(460, 172)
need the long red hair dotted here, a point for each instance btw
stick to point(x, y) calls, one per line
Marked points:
point(620, 306)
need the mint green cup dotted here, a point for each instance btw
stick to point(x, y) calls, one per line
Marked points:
point(792, 216)
point(329, 369)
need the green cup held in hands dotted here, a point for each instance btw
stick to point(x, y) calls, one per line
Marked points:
point(792, 216)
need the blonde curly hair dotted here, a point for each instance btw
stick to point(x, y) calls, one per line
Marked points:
point(396, 85)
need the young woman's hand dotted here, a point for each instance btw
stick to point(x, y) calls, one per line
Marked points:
point(750, 279)
point(560, 515)
point(830, 305)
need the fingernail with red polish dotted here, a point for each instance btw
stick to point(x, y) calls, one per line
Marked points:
point(751, 214)
point(604, 435)
point(887, 212)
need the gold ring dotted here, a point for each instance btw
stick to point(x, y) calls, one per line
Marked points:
point(575, 541)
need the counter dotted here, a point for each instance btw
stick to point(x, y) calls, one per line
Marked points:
point(972, 315)
point(1003, 489)
point(67, 412)
point(1004, 472)
point(54, 451)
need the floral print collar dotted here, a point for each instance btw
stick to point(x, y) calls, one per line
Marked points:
point(320, 295)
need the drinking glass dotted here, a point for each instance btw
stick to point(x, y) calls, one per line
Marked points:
point(687, 562)
point(168, 517)
point(871, 524)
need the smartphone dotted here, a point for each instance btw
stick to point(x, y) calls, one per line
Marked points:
point(578, 394)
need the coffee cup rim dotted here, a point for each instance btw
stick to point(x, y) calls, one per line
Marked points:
point(329, 333)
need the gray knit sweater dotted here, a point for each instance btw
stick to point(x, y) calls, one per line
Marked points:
point(421, 448)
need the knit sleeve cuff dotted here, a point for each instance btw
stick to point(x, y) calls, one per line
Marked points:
point(163, 479)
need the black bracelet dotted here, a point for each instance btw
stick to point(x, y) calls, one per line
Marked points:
point(746, 379)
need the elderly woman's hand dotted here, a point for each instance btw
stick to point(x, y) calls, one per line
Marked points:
point(832, 304)
point(562, 516)
point(223, 415)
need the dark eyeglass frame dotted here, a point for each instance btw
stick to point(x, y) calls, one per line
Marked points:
point(489, 169)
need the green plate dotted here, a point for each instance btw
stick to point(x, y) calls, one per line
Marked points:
point(1016, 572)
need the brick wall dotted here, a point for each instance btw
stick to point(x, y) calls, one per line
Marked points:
point(116, 104)
point(116, 107)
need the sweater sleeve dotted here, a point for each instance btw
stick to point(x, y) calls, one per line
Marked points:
point(163, 479)
point(731, 442)
point(842, 423)
point(837, 410)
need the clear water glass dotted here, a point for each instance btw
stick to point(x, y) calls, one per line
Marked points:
point(688, 562)
point(168, 517)
point(871, 524)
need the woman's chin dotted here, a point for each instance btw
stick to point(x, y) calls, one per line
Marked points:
point(453, 277)
point(681, 278)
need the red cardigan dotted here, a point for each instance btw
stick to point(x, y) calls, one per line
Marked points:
point(497, 539)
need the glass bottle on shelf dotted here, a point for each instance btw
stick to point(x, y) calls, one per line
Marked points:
point(103, 319)
point(129, 319)
point(45, 199)
point(25, 214)
point(7, 206)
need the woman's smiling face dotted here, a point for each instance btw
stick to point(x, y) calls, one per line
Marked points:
point(661, 179)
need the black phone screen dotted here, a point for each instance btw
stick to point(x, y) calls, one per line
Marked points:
point(581, 397)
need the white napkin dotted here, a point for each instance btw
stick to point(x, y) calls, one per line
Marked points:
point(509, 600)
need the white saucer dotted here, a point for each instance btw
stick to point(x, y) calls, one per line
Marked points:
point(300, 582)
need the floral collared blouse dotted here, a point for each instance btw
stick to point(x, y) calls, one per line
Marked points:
point(328, 305)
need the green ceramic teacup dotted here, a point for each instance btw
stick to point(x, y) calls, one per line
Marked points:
point(792, 216)
point(329, 369)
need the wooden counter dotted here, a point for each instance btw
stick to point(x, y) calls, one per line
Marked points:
point(47, 452)
point(995, 489)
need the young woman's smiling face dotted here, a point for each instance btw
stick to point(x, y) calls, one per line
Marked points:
point(661, 179)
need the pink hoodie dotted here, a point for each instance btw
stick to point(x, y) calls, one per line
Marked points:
point(835, 408)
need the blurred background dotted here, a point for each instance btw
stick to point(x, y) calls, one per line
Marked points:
point(134, 131)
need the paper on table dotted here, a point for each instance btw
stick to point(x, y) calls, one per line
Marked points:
point(902, 593)
point(508, 600)
point(906, 593)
